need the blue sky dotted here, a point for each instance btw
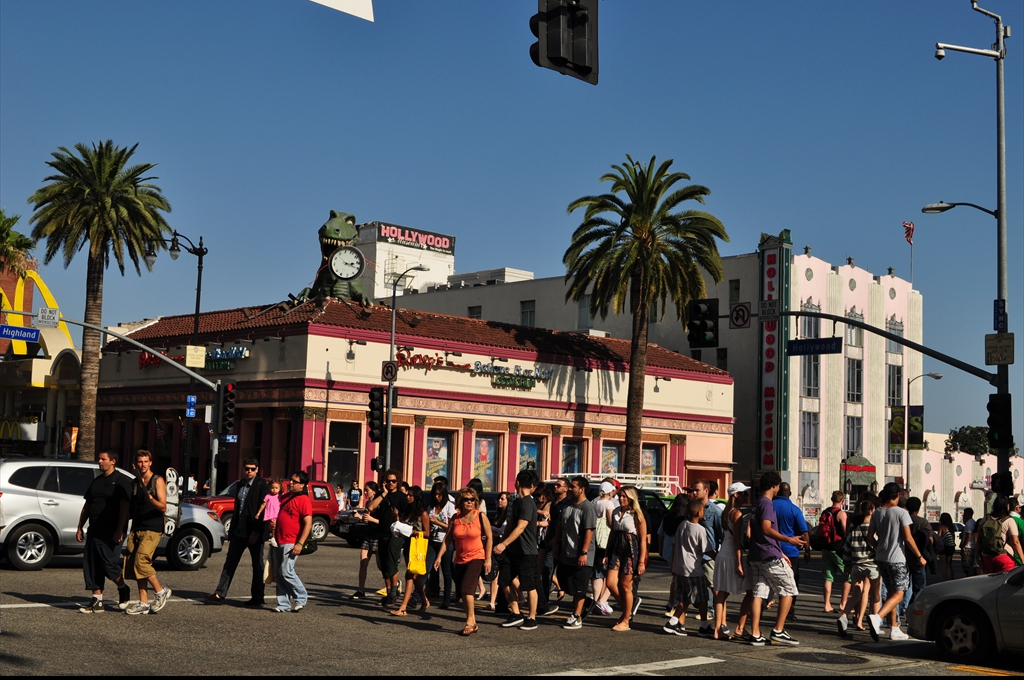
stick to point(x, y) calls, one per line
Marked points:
point(830, 119)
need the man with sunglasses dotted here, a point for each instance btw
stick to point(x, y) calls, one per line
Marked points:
point(248, 532)
point(390, 548)
point(545, 558)
point(292, 529)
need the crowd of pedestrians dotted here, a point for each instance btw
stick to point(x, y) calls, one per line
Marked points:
point(550, 546)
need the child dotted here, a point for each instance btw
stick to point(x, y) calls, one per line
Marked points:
point(688, 553)
point(271, 506)
point(860, 562)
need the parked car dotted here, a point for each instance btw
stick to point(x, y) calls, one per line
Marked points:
point(42, 502)
point(350, 527)
point(321, 495)
point(970, 618)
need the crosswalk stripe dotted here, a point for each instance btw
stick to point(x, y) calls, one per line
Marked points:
point(641, 668)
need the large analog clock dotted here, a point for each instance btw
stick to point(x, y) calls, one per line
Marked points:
point(347, 263)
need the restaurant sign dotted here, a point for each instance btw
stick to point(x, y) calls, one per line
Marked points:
point(218, 359)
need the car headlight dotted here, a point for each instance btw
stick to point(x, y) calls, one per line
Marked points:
point(213, 516)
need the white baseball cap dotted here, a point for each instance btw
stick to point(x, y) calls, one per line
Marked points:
point(607, 487)
point(737, 487)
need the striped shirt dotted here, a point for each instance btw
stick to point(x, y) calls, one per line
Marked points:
point(856, 549)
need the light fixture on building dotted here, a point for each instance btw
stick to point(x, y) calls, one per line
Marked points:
point(656, 379)
point(503, 360)
point(588, 369)
point(849, 486)
point(351, 355)
point(452, 354)
point(273, 337)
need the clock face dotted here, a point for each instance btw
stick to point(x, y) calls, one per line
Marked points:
point(347, 263)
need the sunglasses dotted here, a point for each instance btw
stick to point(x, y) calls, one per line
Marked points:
point(295, 481)
point(467, 500)
point(391, 481)
point(251, 469)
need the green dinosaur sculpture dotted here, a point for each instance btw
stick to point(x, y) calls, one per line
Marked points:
point(339, 230)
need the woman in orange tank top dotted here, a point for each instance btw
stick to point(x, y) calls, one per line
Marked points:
point(471, 534)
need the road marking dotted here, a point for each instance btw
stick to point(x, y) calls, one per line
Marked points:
point(642, 668)
point(981, 671)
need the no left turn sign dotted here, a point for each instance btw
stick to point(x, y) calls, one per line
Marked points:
point(739, 315)
point(388, 371)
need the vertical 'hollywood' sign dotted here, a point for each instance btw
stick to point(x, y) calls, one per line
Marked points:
point(770, 400)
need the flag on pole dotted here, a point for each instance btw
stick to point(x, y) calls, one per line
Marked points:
point(908, 232)
point(160, 433)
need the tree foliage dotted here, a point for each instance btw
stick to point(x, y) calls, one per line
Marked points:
point(14, 246)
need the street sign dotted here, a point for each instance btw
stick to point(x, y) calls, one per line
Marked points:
point(739, 315)
point(796, 348)
point(769, 311)
point(190, 412)
point(388, 371)
point(999, 316)
point(999, 349)
point(230, 438)
point(19, 333)
point(195, 356)
point(47, 317)
point(190, 400)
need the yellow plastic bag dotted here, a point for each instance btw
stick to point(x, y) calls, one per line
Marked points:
point(418, 546)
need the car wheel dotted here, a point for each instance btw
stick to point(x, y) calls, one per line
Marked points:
point(354, 542)
point(188, 550)
point(226, 521)
point(319, 529)
point(29, 547)
point(962, 633)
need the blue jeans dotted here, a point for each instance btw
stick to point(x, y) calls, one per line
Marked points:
point(445, 571)
point(288, 583)
point(918, 580)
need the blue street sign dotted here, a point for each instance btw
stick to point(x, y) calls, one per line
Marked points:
point(190, 400)
point(795, 348)
point(230, 439)
point(19, 333)
point(999, 324)
point(190, 413)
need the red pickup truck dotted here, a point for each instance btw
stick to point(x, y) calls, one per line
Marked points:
point(321, 495)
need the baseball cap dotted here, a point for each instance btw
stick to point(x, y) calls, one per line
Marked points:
point(737, 487)
point(607, 487)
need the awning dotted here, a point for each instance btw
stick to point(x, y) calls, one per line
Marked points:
point(858, 470)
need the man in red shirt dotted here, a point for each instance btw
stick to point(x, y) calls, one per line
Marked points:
point(294, 522)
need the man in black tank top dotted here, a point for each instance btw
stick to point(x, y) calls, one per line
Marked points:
point(148, 503)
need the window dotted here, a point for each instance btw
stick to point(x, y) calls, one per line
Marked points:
point(474, 312)
point(810, 365)
point(439, 444)
point(528, 313)
point(484, 453)
point(894, 456)
point(697, 354)
point(572, 456)
point(808, 435)
point(896, 328)
point(320, 493)
point(854, 335)
point(854, 435)
point(27, 477)
point(650, 459)
point(75, 481)
point(854, 380)
point(585, 320)
point(611, 458)
point(530, 449)
point(894, 381)
point(723, 358)
point(734, 291)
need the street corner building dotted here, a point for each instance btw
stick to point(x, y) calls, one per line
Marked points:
point(476, 398)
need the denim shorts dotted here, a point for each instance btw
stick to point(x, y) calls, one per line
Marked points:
point(895, 576)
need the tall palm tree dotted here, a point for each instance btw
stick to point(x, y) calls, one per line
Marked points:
point(635, 248)
point(96, 198)
point(14, 246)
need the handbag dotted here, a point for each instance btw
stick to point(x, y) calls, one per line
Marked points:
point(418, 546)
point(269, 576)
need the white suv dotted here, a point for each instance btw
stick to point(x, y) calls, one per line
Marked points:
point(41, 500)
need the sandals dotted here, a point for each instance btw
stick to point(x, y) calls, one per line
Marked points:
point(469, 630)
point(561, 594)
point(399, 612)
point(620, 627)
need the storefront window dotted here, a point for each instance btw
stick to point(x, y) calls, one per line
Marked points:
point(529, 453)
point(572, 456)
point(484, 452)
point(611, 458)
point(343, 454)
point(650, 460)
point(439, 444)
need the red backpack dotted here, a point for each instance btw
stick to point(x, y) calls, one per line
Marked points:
point(829, 529)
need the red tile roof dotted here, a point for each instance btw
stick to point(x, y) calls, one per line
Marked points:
point(249, 322)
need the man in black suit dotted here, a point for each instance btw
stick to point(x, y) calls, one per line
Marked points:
point(248, 532)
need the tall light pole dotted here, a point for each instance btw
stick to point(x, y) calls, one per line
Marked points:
point(391, 383)
point(906, 426)
point(998, 52)
point(174, 251)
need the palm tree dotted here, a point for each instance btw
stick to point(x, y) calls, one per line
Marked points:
point(97, 199)
point(636, 248)
point(14, 246)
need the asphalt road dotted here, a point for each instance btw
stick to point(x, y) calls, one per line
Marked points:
point(43, 633)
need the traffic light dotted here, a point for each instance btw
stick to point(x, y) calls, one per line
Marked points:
point(1000, 422)
point(566, 32)
point(702, 323)
point(375, 421)
point(227, 408)
point(377, 464)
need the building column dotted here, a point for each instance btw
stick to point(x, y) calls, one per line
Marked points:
point(512, 459)
point(676, 463)
point(267, 441)
point(595, 453)
point(419, 441)
point(312, 439)
point(556, 451)
point(467, 450)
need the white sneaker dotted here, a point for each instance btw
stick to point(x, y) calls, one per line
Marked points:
point(160, 599)
point(875, 626)
point(842, 624)
point(897, 634)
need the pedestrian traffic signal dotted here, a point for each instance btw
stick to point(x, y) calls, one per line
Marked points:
point(702, 323)
point(377, 464)
point(375, 420)
point(1000, 422)
point(226, 408)
point(566, 32)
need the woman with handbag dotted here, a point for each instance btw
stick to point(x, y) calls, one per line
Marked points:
point(470, 535)
point(415, 516)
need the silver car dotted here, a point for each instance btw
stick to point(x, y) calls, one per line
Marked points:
point(41, 500)
point(970, 618)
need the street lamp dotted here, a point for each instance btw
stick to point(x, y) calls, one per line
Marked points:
point(906, 426)
point(942, 206)
point(998, 52)
point(391, 383)
point(174, 251)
